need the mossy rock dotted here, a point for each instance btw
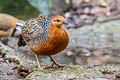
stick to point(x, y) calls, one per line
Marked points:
point(77, 72)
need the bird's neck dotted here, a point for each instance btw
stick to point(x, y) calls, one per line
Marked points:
point(13, 22)
point(54, 29)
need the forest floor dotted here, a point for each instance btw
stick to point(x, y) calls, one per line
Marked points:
point(94, 31)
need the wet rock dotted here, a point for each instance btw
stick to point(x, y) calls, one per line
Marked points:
point(98, 35)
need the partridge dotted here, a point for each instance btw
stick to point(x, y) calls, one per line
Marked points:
point(45, 36)
point(9, 25)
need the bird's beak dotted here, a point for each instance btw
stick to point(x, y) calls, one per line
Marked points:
point(65, 23)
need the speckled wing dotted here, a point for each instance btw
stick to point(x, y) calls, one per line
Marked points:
point(36, 30)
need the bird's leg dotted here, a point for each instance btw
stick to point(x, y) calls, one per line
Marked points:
point(38, 62)
point(55, 63)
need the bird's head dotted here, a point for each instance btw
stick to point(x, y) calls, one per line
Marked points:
point(57, 21)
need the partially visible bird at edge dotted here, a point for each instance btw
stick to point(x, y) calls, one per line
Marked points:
point(9, 25)
point(45, 36)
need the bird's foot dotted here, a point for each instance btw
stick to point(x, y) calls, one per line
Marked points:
point(57, 64)
point(40, 68)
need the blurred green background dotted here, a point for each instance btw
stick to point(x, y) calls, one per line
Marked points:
point(19, 8)
point(25, 9)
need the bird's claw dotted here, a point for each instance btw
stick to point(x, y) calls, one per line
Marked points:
point(58, 65)
point(40, 68)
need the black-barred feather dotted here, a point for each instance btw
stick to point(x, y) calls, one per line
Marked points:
point(36, 29)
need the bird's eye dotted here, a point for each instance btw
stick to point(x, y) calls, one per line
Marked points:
point(57, 20)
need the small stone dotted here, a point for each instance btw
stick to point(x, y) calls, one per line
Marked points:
point(67, 14)
point(69, 53)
